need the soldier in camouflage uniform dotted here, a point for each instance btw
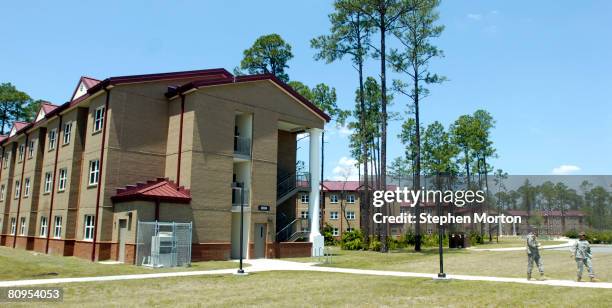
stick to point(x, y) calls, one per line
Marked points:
point(581, 251)
point(533, 255)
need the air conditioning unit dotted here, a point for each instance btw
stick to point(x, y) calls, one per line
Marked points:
point(163, 250)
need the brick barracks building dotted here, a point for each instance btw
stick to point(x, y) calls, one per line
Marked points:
point(166, 147)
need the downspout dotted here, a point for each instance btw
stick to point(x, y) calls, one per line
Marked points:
point(180, 143)
point(96, 217)
point(23, 161)
point(57, 149)
point(156, 209)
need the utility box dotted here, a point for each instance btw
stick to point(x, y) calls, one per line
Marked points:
point(163, 244)
point(458, 240)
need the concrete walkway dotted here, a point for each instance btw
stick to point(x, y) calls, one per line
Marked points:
point(264, 265)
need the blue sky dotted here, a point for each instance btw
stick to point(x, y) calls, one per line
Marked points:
point(542, 68)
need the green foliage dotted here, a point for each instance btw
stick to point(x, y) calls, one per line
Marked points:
point(352, 240)
point(328, 233)
point(571, 233)
point(475, 238)
point(268, 55)
point(12, 106)
point(375, 244)
point(599, 237)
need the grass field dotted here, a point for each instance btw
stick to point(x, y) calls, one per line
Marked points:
point(300, 289)
point(557, 264)
point(20, 264)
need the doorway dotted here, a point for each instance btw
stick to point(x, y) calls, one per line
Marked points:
point(260, 240)
point(122, 237)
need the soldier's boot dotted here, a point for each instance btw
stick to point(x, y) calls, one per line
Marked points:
point(542, 277)
point(528, 276)
point(578, 278)
point(593, 279)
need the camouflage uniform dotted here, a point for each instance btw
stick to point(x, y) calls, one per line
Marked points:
point(582, 252)
point(533, 255)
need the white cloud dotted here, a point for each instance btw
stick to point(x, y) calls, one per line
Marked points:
point(344, 130)
point(474, 16)
point(345, 169)
point(565, 169)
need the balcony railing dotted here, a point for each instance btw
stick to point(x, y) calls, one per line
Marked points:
point(236, 198)
point(242, 146)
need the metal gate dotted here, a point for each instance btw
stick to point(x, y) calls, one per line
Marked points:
point(163, 244)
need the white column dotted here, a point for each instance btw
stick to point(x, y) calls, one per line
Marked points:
point(314, 164)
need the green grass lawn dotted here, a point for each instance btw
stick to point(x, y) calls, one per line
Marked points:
point(305, 289)
point(507, 242)
point(557, 264)
point(16, 264)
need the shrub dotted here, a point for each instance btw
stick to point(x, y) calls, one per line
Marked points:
point(328, 233)
point(375, 244)
point(475, 238)
point(571, 233)
point(352, 240)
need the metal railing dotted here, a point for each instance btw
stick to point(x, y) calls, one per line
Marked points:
point(298, 228)
point(242, 146)
point(292, 181)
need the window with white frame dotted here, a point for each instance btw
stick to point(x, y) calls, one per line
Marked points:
point(98, 119)
point(336, 232)
point(94, 172)
point(48, 184)
point(350, 198)
point(22, 226)
point(21, 149)
point(350, 215)
point(57, 229)
point(31, 149)
point(333, 198)
point(13, 225)
point(63, 178)
point(2, 192)
point(52, 138)
point(304, 214)
point(429, 230)
point(17, 189)
point(88, 233)
point(26, 188)
point(333, 215)
point(350, 229)
point(43, 226)
point(67, 132)
point(304, 198)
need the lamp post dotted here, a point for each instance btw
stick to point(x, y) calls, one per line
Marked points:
point(441, 274)
point(241, 191)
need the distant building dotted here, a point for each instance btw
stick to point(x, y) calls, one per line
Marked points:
point(548, 222)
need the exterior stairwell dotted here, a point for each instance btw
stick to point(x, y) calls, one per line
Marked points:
point(286, 188)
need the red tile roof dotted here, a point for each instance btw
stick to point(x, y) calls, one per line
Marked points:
point(89, 82)
point(160, 189)
point(2, 137)
point(48, 106)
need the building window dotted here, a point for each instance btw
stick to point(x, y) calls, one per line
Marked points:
point(98, 119)
point(67, 132)
point(13, 225)
point(333, 198)
point(26, 192)
point(31, 149)
point(350, 229)
point(403, 210)
point(2, 191)
point(304, 214)
point(47, 182)
point(429, 230)
point(57, 231)
point(350, 215)
point(52, 137)
point(43, 226)
point(350, 198)
point(22, 226)
point(63, 177)
point(21, 149)
point(333, 215)
point(304, 198)
point(17, 189)
point(336, 232)
point(94, 172)
point(89, 228)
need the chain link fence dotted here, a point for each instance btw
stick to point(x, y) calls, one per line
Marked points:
point(163, 244)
